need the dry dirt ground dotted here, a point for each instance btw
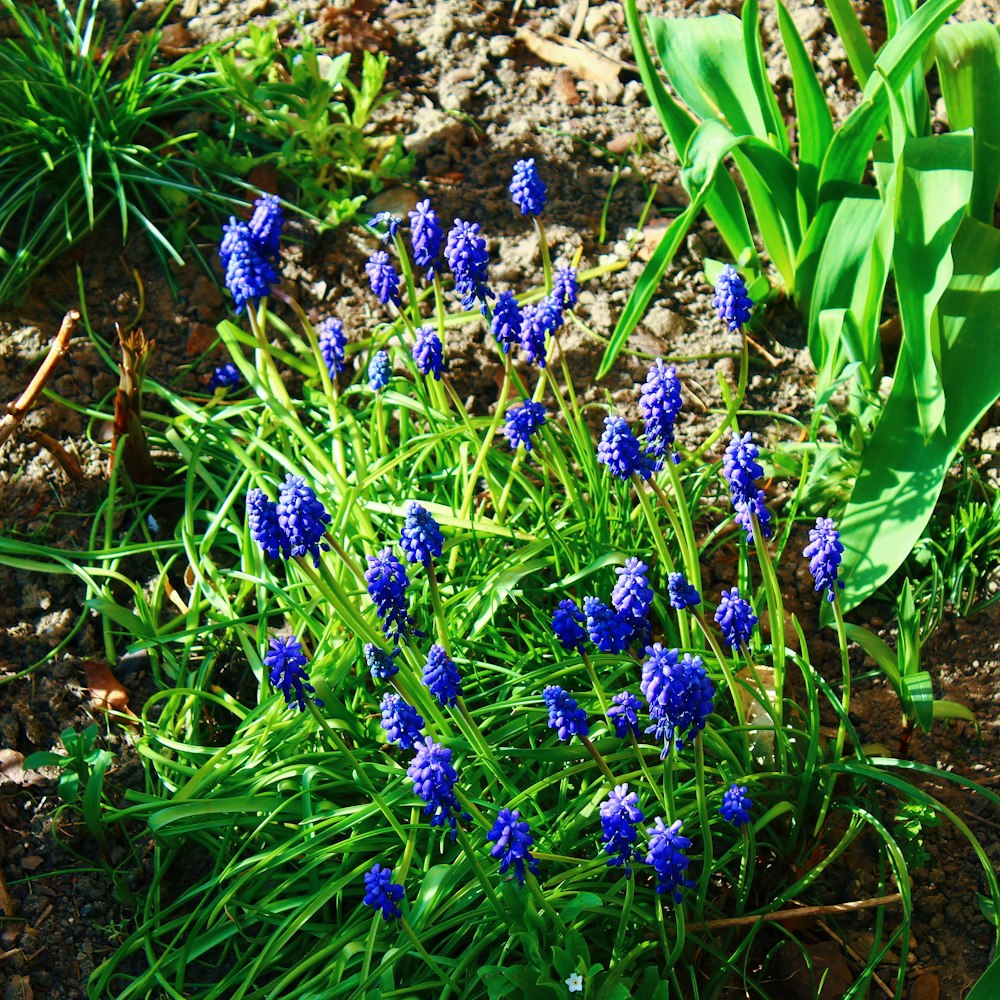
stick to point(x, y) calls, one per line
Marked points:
point(476, 91)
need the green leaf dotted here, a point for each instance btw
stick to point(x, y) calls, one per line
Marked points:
point(766, 101)
point(968, 63)
point(852, 34)
point(988, 985)
point(935, 182)
point(814, 125)
point(878, 650)
point(901, 473)
point(918, 698)
point(946, 709)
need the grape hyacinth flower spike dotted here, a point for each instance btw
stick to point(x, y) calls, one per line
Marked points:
point(632, 595)
point(565, 287)
point(469, 260)
point(426, 236)
point(527, 189)
point(383, 278)
point(659, 403)
point(620, 452)
point(735, 618)
point(624, 714)
point(565, 717)
point(512, 840)
point(265, 529)
point(266, 224)
point(680, 695)
point(226, 376)
point(381, 665)
point(609, 631)
point(428, 353)
point(249, 252)
point(382, 893)
point(732, 301)
point(736, 805)
point(332, 345)
point(824, 552)
point(742, 470)
point(285, 661)
point(434, 779)
point(421, 539)
point(522, 421)
point(379, 371)
point(507, 321)
point(666, 854)
point(568, 625)
point(302, 517)
point(681, 593)
point(620, 816)
point(387, 584)
point(401, 721)
point(441, 676)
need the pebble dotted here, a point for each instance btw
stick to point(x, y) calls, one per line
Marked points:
point(499, 46)
point(564, 88)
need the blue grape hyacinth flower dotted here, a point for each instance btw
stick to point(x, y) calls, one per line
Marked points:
point(421, 539)
point(285, 661)
point(736, 805)
point(659, 403)
point(507, 321)
point(681, 593)
point(387, 584)
point(568, 625)
point(468, 259)
point(391, 223)
point(732, 301)
point(379, 371)
point(512, 840)
point(303, 518)
point(434, 779)
point(742, 470)
point(620, 451)
point(249, 271)
point(441, 676)
point(332, 345)
point(527, 189)
point(565, 287)
point(620, 816)
point(265, 529)
point(266, 224)
point(666, 854)
point(400, 720)
point(680, 695)
point(609, 631)
point(428, 352)
point(382, 893)
point(381, 665)
point(382, 277)
point(226, 376)
point(632, 595)
point(565, 716)
point(824, 552)
point(426, 236)
point(735, 618)
point(521, 422)
point(624, 714)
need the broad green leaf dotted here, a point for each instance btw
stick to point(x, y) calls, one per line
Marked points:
point(945, 709)
point(901, 474)
point(935, 182)
point(766, 101)
point(705, 62)
point(913, 92)
point(988, 985)
point(770, 181)
point(968, 63)
point(918, 698)
point(814, 123)
point(878, 650)
point(852, 34)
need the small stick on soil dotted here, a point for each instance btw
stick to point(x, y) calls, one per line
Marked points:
point(796, 914)
point(18, 410)
point(850, 951)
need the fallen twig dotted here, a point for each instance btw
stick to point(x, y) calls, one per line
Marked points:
point(778, 916)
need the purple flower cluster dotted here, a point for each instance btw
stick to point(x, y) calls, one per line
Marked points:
point(421, 539)
point(731, 301)
point(742, 470)
point(294, 526)
point(565, 287)
point(507, 321)
point(632, 596)
point(512, 840)
point(401, 721)
point(285, 661)
point(382, 277)
point(659, 403)
point(381, 665)
point(426, 236)
point(382, 893)
point(624, 714)
point(441, 676)
point(226, 376)
point(469, 260)
point(609, 631)
point(824, 552)
point(387, 583)
point(620, 451)
point(568, 625)
point(332, 345)
point(434, 778)
point(666, 854)
point(379, 371)
point(522, 421)
point(620, 816)
point(680, 695)
point(735, 617)
point(249, 252)
point(565, 716)
point(736, 805)
point(527, 189)
point(681, 593)
point(428, 352)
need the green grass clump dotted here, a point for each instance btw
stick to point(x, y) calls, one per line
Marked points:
point(264, 819)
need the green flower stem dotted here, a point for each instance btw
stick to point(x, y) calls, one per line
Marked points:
point(693, 561)
point(439, 313)
point(342, 605)
point(780, 739)
point(439, 616)
point(647, 509)
point(616, 951)
point(266, 367)
point(706, 836)
point(411, 842)
point(776, 608)
point(641, 756)
point(347, 559)
point(601, 762)
point(477, 866)
point(501, 503)
point(845, 701)
point(598, 687)
point(425, 955)
point(341, 747)
point(543, 245)
point(406, 267)
point(536, 891)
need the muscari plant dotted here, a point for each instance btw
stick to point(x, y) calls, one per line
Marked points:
point(837, 236)
point(446, 706)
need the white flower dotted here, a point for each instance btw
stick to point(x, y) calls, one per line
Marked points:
point(575, 983)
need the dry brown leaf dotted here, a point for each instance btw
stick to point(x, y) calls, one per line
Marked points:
point(585, 62)
point(564, 87)
point(105, 688)
point(11, 770)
